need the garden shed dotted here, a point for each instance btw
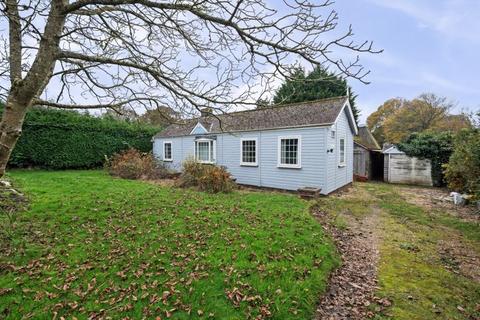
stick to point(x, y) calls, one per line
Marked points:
point(367, 156)
point(400, 168)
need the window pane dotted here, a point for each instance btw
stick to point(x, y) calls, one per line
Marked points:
point(168, 150)
point(212, 157)
point(342, 150)
point(249, 151)
point(203, 150)
point(289, 151)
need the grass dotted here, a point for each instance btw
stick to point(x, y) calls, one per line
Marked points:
point(418, 281)
point(395, 205)
point(412, 273)
point(91, 245)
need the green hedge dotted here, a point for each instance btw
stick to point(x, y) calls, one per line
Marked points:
point(59, 139)
point(463, 169)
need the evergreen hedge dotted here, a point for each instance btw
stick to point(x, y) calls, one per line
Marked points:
point(60, 139)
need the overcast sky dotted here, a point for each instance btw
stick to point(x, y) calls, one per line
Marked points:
point(429, 46)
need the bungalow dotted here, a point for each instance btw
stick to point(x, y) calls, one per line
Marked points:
point(288, 147)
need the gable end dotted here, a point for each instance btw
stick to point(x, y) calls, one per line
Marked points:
point(199, 129)
point(351, 119)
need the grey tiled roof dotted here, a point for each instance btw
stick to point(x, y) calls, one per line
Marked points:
point(318, 112)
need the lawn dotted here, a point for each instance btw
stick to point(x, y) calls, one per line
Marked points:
point(91, 246)
point(420, 269)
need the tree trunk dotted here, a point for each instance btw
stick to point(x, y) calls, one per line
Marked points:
point(23, 92)
point(10, 130)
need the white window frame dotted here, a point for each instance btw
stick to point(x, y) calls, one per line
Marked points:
point(342, 162)
point(212, 144)
point(332, 133)
point(171, 151)
point(298, 165)
point(249, 164)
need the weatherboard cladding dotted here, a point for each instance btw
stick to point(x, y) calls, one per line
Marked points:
point(266, 173)
point(319, 112)
point(338, 176)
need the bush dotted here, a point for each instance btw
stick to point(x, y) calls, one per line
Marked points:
point(463, 169)
point(215, 179)
point(60, 139)
point(207, 177)
point(191, 173)
point(132, 164)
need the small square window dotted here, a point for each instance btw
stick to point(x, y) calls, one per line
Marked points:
point(289, 150)
point(248, 152)
point(332, 134)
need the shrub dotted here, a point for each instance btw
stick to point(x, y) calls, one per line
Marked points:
point(132, 164)
point(463, 169)
point(60, 139)
point(207, 177)
point(191, 173)
point(215, 179)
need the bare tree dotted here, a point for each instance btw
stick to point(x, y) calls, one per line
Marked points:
point(88, 54)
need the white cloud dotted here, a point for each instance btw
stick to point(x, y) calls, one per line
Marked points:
point(456, 19)
point(439, 82)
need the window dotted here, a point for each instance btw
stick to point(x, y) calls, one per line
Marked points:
point(167, 151)
point(205, 150)
point(332, 134)
point(248, 152)
point(289, 152)
point(341, 153)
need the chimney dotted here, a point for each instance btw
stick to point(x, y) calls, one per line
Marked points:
point(205, 112)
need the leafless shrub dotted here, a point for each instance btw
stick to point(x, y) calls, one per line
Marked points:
point(207, 177)
point(132, 164)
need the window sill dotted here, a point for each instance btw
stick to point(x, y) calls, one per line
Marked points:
point(342, 165)
point(246, 164)
point(286, 166)
point(167, 160)
point(206, 162)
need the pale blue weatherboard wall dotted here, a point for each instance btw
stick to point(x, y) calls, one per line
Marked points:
point(338, 176)
point(318, 168)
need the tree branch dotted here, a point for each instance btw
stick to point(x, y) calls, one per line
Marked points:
point(15, 38)
point(113, 106)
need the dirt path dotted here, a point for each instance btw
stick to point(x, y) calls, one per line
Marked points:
point(352, 286)
point(429, 263)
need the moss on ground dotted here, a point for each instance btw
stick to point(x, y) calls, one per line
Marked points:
point(412, 274)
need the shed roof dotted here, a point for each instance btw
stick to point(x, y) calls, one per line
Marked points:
point(320, 112)
point(366, 139)
point(393, 150)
